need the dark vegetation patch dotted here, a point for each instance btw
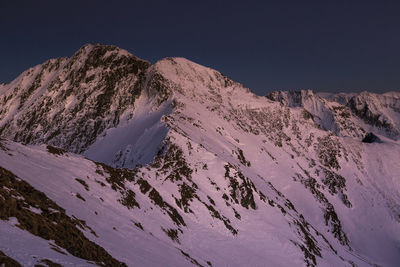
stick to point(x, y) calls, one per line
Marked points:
point(51, 224)
point(289, 205)
point(211, 200)
point(269, 154)
point(173, 234)
point(7, 261)
point(171, 211)
point(328, 150)
point(80, 197)
point(237, 215)
point(309, 245)
point(100, 182)
point(192, 260)
point(330, 216)
point(187, 194)
point(173, 163)
point(145, 187)
point(336, 185)
point(128, 199)
point(214, 184)
point(241, 187)
point(309, 258)
point(296, 131)
point(342, 111)
point(336, 226)
point(242, 159)
point(215, 214)
point(117, 178)
point(310, 248)
point(82, 182)
point(139, 225)
point(55, 150)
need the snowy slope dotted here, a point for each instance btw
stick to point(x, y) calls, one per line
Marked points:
point(216, 175)
point(83, 189)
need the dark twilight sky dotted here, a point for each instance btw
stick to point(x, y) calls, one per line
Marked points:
point(266, 45)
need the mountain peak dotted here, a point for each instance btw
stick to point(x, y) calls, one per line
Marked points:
point(101, 50)
point(91, 89)
point(179, 70)
point(188, 78)
point(182, 161)
point(106, 56)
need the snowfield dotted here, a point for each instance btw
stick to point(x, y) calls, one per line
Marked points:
point(174, 164)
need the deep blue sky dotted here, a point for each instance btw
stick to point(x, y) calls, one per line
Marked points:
point(266, 45)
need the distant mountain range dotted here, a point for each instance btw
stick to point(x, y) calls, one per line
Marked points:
point(106, 159)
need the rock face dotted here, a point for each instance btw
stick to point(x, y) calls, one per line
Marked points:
point(68, 102)
point(187, 167)
point(380, 111)
point(348, 114)
point(370, 138)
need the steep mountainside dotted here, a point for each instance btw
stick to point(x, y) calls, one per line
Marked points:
point(348, 114)
point(185, 166)
point(68, 102)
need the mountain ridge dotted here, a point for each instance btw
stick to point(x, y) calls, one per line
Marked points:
point(201, 163)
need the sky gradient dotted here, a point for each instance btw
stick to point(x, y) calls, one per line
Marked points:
point(334, 46)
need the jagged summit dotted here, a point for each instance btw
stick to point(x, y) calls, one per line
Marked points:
point(88, 91)
point(104, 51)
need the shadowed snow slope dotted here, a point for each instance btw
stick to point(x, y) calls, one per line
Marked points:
point(200, 171)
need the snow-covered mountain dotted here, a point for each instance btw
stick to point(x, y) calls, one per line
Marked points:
point(348, 114)
point(174, 164)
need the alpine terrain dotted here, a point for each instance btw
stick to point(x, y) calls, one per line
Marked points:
point(107, 159)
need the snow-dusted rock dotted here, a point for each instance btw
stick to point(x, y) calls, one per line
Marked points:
point(186, 166)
